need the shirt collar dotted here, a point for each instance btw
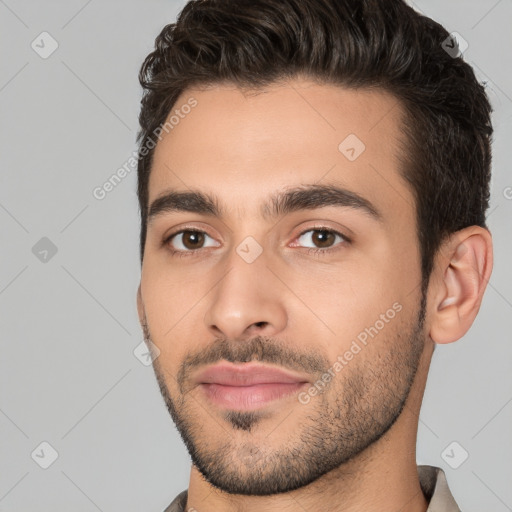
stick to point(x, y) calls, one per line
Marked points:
point(435, 488)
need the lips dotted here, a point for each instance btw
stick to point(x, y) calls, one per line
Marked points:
point(248, 386)
point(247, 374)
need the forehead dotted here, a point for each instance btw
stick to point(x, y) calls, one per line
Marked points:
point(243, 146)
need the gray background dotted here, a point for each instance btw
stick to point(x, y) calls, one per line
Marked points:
point(68, 374)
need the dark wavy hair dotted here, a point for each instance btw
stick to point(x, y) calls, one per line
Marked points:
point(375, 44)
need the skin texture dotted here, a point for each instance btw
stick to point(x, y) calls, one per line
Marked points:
point(352, 446)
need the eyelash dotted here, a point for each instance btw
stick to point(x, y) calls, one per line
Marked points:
point(310, 250)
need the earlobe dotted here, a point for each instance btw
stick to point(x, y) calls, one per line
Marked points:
point(465, 269)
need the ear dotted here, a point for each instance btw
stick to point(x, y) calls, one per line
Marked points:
point(463, 267)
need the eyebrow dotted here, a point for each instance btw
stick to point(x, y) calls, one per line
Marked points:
point(305, 197)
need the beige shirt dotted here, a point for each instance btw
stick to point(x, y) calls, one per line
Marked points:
point(432, 481)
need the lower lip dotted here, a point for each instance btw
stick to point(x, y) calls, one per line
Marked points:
point(249, 397)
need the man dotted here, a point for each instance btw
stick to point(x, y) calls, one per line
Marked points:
point(313, 182)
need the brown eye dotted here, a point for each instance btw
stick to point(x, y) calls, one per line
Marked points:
point(189, 241)
point(320, 238)
point(323, 238)
point(321, 241)
point(192, 239)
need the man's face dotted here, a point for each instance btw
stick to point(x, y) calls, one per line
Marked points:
point(249, 287)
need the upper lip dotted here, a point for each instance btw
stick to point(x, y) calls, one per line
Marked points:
point(247, 374)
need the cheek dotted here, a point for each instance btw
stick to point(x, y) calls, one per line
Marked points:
point(168, 302)
point(358, 298)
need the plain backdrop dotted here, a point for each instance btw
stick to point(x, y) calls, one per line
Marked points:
point(69, 272)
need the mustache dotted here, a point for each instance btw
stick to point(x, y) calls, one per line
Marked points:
point(263, 349)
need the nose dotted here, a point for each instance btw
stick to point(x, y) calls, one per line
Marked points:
point(247, 301)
